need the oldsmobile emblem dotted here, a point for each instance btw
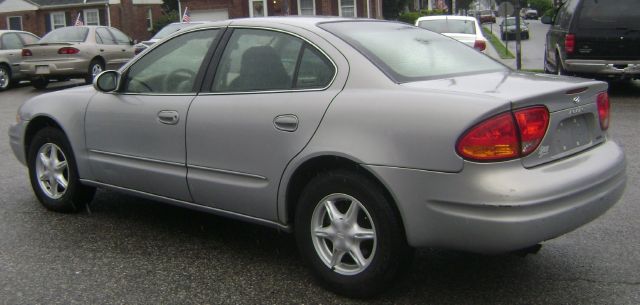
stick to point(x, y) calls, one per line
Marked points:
point(576, 100)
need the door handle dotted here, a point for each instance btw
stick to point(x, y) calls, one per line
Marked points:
point(101, 50)
point(286, 122)
point(169, 117)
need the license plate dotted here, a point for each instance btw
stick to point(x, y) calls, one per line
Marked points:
point(571, 133)
point(42, 70)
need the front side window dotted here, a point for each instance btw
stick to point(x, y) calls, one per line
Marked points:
point(92, 17)
point(171, 68)
point(15, 23)
point(306, 7)
point(415, 54)
point(121, 38)
point(58, 20)
point(11, 41)
point(264, 60)
point(348, 8)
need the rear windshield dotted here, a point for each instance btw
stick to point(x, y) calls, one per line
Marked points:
point(407, 53)
point(449, 26)
point(67, 34)
point(603, 14)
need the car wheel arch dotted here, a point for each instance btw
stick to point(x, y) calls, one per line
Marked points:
point(36, 124)
point(317, 165)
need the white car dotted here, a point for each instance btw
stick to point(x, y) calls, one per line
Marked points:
point(462, 28)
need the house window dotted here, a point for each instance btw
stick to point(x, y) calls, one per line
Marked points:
point(15, 23)
point(58, 20)
point(306, 7)
point(257, 8)
point(91, 17)
point(149, 19)
point(347, 8)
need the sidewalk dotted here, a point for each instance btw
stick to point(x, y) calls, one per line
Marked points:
point(491, 51)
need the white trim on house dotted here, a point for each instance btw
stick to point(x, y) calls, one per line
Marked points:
point(86, 19)
point(52, 19)
point(9, 23)
point(10, 6)
point(149, 19)
point(300, 7)
point(137, 2)
point(264, 8)
point(355, 9)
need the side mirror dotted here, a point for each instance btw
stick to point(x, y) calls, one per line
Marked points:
point(546, 19)
point(107, 81)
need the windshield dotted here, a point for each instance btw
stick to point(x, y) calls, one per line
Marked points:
point(449, 26)
point(598, 14)
point(170, 29)
point(66, 34)
point(406, 53)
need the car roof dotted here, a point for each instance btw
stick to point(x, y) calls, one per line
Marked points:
point(304, 22)
point(441, 17)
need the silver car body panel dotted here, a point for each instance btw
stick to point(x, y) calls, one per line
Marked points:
point(239, 164)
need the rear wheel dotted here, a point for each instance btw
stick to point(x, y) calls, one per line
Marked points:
point(5, 77)
point(349, 234)
point(53, 173)
point(95, 67)
point(40, 83)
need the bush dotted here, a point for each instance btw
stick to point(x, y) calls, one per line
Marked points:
point(166, 18)
point(411, 17)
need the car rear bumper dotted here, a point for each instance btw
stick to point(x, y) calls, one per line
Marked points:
point(53, 68)
point(618, 68)
point(493, 208)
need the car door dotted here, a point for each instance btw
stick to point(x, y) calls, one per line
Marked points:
point(266, 100)
point(108, 48)
point(125, 47)
point(11, 50)
point(136, 136)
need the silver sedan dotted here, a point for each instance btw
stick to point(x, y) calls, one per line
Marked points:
point(364, 138)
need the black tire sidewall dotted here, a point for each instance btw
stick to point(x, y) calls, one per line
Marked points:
point(9, 80)
point(70, 201)
point(390, 239)
point(89, 78)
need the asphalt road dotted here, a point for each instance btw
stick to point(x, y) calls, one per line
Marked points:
point(532, 49)
point(132, 251)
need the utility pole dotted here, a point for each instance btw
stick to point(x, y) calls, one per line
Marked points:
point(518, 38)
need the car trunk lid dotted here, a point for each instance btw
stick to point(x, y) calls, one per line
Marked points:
point(573, 123)
point(46, 51)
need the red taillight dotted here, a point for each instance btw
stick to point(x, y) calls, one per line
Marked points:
point(26, 52)
point(603, 110)
point(480, 45)
point(570, 43)
point(68, 50)
point(532, 123)
point(505, 136)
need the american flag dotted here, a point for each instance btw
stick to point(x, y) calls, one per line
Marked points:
point(186, 17)
point(78, 21)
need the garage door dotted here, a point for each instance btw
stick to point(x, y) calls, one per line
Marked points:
point(209, 15)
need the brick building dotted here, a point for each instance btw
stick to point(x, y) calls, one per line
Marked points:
point(224, 9)
point(134, 17)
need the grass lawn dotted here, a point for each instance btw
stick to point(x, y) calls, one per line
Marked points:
point(497, 44)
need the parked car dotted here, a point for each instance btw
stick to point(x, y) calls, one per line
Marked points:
point(164, 32)
point(75, 52)
point(370, 153)
point(487, 16)
point(462, 28)
point(594, 39)
point(508, 28)
point(11, 43)
point(530, 14)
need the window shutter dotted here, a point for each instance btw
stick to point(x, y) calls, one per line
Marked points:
point(102, 15)
point(47, 23)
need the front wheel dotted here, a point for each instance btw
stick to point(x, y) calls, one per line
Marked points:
point(53, 173)
point(349, 234)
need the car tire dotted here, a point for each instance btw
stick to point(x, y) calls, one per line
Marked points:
point(95, 67)
point(353, 262)
point(5, 77)
point(40, 83)
point(53, 173)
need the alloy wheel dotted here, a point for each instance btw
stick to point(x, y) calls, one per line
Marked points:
point(52, 171)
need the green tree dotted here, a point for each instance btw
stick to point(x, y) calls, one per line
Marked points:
point(539, 5)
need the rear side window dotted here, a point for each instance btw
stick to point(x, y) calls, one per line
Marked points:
point(67, 34)
point(28, 38)
point(603, 14)
point(406, 53)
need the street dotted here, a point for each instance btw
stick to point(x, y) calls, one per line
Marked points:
point(124, 250)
